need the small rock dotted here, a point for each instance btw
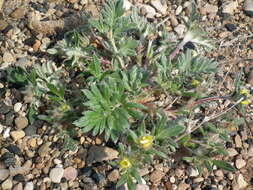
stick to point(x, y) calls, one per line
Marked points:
point(219, 173)
point(36, 45)
point(6, 133)
point(3, 24)
point(238, 141)
point(156, 176)
point(198, 180)
point(172, 179)
point(87, 171)
point(70, 173)
point(14, 149)
point(44, 149)
point(183, 186)
point(19, 178)
point(239, 183)
point(173, 20)
point(179, 172)
point(101, 153)
point(18, 134)
point(179, 10)
point(29, 186)
point(7, 184)
point(211, 9)
point(232, 152)
point(19, 186)
point(31, 130)
point(193, 172)
point(32, 142)
point(180, 29)
point(229, 7)
point(98, 178)
point(4, 173)
point(26, 167)
point(17, 107)
point(18, 13)
point(159, 6)
point(73, 1)
point(230, 27)
point(56, 174)
point(149, 11)
point(142, 187)
point(21, 122)
point(113, 175)
point(127, 5)
point(144, 171)
point(240, 163)
point(8, 57)
point(4, 109)
point(248, 8)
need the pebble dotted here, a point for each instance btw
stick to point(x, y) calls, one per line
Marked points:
point(180, 29)
point(240, 163)
point(18, 134)
point(150, 12)
point(238, 141)
point(156, 176)
point(248, 8)
point(19, 178)
point(219, 173)
point(183, 186)
point(142, 187)
point(3, 24)
point(4, 173)
point(232, 152)
point(113, 175)
point(179, 10)
point(70, 173)
point(44, 149)
point(31, 130)
point(193, 172)
point(210, 9)
point(8, 57)
point(26, 167)
point(21, 122)
point(239, 183)
point(159, 6)
point(14, 149)
point(172, 179)
point(17, 107)
point(29, 186)
point(101, 153)
point(230, 27)
point(6, 133)
point(229, 7)
point(7, 184)
point(173, 20)
point(8, 159)
point(56, 174)
point(19, 186)
point(127, 5)
point(18, 13)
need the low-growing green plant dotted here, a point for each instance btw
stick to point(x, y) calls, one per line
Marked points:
point(118, 73)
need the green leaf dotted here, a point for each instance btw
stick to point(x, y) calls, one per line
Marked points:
point(130, 184)
point(133, 135)
point(188, 159)
point(122, 180)
point(223, 165)
point(171, 132)
point(208, 165)
point(136, 175)
point(32, 114)
point(158, 153)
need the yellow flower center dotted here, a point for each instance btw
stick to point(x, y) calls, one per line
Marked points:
point(146, 141)
point(195, 82)
point(244, 92)
point(245, 102)
point(125, 163)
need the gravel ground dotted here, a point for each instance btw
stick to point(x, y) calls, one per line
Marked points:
point(31, 156)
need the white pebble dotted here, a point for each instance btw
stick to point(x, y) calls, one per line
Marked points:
point(17, 107)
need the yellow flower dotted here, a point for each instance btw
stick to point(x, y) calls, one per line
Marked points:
point(245, 102)
point(125, 163)
point(146, 141)
point(244, 92)
point(195, 82)
point(65, 107)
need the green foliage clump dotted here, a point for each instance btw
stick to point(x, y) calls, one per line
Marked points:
point(115, 71)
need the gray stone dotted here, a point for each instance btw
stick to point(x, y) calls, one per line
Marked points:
point(162, 8)
point(56, 174)
point(44, 149)
point(150, 11)
point(101, 153)
point(240, 163)
point(229, 7)
point(4, 173)
point(8, 57)
point(21, 122)
point(29, 186)
point(193, 172)
point(248, 8)
point(180, 29)
point(7, 184)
